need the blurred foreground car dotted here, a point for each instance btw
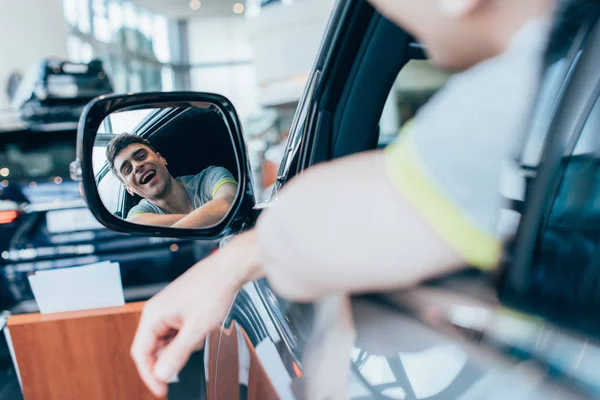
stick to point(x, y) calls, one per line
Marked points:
point(55, 91)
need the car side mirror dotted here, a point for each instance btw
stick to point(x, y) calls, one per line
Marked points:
point(165, 164)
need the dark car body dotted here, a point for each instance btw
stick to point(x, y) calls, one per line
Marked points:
point(55, 91)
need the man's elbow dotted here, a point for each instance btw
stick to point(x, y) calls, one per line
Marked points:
point(133, 219)
point(229, 199)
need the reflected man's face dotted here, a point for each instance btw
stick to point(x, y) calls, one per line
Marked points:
point(143, 171)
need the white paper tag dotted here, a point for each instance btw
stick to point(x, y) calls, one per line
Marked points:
point(78, 288)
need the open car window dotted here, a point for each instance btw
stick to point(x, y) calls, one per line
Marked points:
point(415, 85)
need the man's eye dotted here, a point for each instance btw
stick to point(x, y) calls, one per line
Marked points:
point(141, 156)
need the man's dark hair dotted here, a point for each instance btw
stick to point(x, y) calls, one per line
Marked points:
point(119, 143)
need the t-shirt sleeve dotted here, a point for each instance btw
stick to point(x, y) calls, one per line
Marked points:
point(448, 162)
point(143, 207)
point(214, 179)
point(465, 229)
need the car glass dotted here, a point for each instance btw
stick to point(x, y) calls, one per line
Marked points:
point(35, 157)
point(567, 254)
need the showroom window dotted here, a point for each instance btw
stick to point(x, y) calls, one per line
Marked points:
point(133, 43)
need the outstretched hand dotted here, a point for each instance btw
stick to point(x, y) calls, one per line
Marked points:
point(176, 321)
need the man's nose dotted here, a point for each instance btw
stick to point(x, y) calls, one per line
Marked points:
point(138, 167)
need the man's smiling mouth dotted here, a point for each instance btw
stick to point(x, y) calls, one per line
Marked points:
point(147, 177)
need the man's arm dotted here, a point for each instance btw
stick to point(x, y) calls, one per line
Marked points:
point(212, 212)
point(344, 227)
point(155, 219)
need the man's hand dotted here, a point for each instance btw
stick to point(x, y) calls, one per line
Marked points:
point(175, 322)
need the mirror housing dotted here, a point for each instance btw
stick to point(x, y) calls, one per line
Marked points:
point(242, 212)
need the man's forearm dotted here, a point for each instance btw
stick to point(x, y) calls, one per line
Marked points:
point(342, 227)
point(156, 219)
point(207, 215)
point(245, 258)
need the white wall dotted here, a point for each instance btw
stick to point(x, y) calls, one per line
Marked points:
point(281, 41)
point(218, 40)
point(29, 30)
point(285, 39)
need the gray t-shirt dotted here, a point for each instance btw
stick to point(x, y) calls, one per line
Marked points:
point(454, 161)
point(201, 189)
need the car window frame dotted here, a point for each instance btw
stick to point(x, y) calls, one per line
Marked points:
point(573, 109)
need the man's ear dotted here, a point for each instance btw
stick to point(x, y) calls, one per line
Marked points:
point(458, 8)
point(162, 158)
point(129, 191)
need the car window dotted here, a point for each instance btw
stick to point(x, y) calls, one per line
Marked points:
point(416, 83)
point(29, 158)
point(107, 181)
point(110, 197)
point(126, 122)
point(571, 235)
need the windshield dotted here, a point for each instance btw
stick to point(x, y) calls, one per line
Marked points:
point(35, 157)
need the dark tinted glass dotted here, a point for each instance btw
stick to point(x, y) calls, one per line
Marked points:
point(27, 156)
point(568, 256)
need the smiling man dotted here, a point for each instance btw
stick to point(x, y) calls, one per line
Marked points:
point(192, 201)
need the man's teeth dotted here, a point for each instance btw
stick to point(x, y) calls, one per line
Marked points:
point(148, 177)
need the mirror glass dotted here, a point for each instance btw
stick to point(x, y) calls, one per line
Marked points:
point(166, 166)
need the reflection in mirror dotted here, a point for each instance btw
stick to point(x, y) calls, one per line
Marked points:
point(167, 166)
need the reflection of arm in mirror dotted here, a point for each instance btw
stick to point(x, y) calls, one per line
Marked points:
point(155, 219)
point(212, 212)
point(211, 193)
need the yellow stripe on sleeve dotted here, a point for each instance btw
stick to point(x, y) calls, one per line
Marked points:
point(477, 247)
point(133, 213)
point(221, 183)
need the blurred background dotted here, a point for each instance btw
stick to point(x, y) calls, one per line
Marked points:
point(258, 53)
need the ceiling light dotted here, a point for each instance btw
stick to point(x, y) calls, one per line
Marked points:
point(4, 172)
point(238, 8)
point(195, 4)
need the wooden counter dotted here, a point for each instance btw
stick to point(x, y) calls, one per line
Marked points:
point(78, 355)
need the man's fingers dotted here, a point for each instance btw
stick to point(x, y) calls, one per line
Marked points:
point(177, 352)
point(143, 351)
point(145, 369)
